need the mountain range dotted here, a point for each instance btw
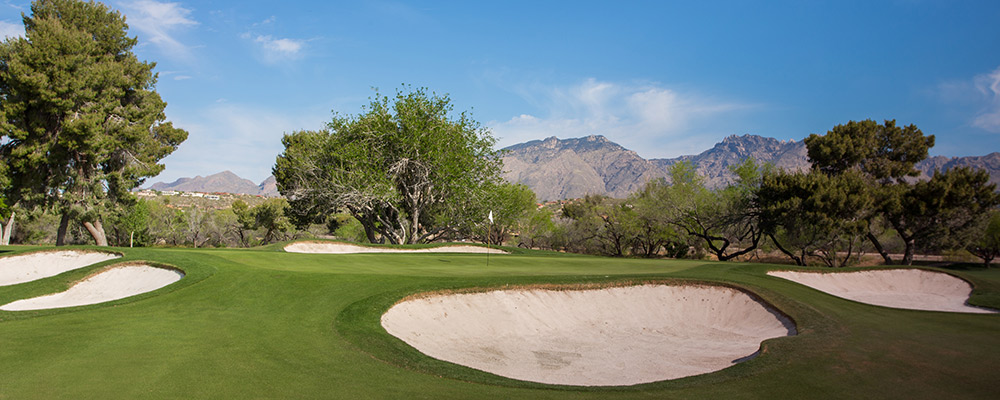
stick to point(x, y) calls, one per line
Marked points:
point(222, 182)
point(571, 168)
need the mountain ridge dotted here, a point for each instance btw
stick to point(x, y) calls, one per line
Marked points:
point(571, 168)
point(222, 182)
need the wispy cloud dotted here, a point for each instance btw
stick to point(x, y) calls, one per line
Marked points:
point(11, 30)
point(275, 50)
point(649, 118)
point(989, 86)
point(160, 21)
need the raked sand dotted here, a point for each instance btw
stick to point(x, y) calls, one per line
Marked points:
point(912, 289)
point(112, 284)
point(345, 248)
point(34, 266)
point(599, 337)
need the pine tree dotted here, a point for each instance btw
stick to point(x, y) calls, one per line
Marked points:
point(81, 122)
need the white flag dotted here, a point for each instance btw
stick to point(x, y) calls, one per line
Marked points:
point(491, 217)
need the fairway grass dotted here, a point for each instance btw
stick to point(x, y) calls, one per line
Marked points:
point(262, 323)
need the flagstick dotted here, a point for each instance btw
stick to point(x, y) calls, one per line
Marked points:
point(489, 236)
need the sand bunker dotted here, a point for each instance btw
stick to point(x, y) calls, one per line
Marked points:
point(912, 289)
point(344, 248)
point(112, 284)
point(34, 266)
point(600, 337)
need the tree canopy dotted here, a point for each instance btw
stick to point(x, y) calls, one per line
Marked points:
point(924, 213)
point(406, 168)
point(81, 122)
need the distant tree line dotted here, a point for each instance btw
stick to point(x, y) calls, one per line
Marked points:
point(860, 195)
point(155, 222)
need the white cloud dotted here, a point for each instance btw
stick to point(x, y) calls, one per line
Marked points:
point(11, 30)
point(160, 21)
point(653, 120)
point(988, 86)
point(274, 50)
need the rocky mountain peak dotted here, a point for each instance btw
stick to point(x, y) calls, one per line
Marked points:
point(572, 168)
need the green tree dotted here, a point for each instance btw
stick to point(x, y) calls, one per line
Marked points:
point(406, 168)
point(925, 214)
point(725, 220)
point(986, 244)
point(6, 213)
point(510, 204)
point(537, 229)
point(165, 224)
point(653, 231)
point(130, 224)
point(80, 120)
point(270, 216)
point(940, 212)
point(243, 226)
point(602, 225)
point(816, 215)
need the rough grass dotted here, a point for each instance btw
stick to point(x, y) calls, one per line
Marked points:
point(262, 323)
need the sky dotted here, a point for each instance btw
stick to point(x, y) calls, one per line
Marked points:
point(663, 78)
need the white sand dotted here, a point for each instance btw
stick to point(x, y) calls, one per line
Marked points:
point(912, 289)
point(344, 248)
point(34, 266)
point(112, 284)
point(600, 337)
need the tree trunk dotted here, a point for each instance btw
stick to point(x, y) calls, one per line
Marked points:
point(879, 248)
point(908, 254)
point(798, 260)
point(96, 230)
point(7, 230)
point(63, 226)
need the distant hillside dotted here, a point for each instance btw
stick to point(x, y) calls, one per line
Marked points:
point(570, 168)
point(223, 182)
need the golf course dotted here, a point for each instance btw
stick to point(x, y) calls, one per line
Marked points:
point(265, 323)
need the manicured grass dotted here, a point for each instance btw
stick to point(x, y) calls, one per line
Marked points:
point(261, 323)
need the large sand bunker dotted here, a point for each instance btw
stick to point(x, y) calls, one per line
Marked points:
point(112, 284)
point(33, 266)
point(600, 337)
point(344, 248)
point(912, 289)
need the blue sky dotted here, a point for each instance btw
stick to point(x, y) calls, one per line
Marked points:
point(663, 78)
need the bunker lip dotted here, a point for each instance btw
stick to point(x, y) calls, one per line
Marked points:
point(314, 247)
point(905, 288)
point(31, 266)
point(115, 282)
point(603, 336)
